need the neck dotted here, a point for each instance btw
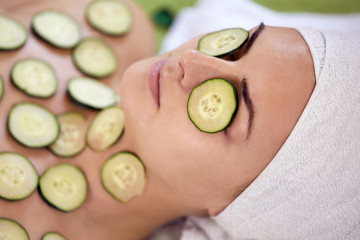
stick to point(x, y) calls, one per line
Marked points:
point(142, 215)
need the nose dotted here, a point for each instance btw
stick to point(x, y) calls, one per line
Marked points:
point(199, 67)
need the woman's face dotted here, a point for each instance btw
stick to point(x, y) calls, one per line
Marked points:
point(276, 75)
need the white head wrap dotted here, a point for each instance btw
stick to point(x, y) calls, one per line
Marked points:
point(311, 189)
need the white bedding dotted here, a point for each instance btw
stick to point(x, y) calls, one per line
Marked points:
point(211, 15)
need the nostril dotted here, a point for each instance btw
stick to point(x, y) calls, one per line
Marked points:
point(182, 72)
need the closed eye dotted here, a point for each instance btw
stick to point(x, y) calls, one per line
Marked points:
point(248, 103)
point(245, 49)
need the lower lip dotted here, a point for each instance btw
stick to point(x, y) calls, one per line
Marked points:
point(153, 79)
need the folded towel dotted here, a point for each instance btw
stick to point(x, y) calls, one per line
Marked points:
point(311, 189)
point(211, 15)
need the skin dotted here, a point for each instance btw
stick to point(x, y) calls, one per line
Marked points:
point(33, 213)
point(215, 168)
point(188, 171)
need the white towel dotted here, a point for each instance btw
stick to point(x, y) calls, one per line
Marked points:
point(211, 15)
point(311, 189)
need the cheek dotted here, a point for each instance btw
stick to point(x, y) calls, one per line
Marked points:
point(133, 94)
point(183, 151)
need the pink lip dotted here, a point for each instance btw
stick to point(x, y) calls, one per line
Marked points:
point(153, 80)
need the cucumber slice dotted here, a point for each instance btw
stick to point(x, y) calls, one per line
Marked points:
point(13, 34)
point(32, 125)
point(71, 140)
point(123, 176)
point(91, 93)
point(212, 105)
point(1, 87)
point(18, 177)
point(110, 17)
point(94, 57)
point(10, 229)
point(106, 128)
point(64, 186)
point(223, 42)
point(57, 28)
point(53, 236)
point(34, 77)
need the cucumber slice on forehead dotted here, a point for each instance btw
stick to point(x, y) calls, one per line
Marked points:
point(34, 77)
point(32, 125)
point(106, 128)
point(223, 42)
point(12, 33)
point(57, 28)
point(64, 186)
point(1, 87)
point(94, 57)
point(18, 177)
point(123, 176)
point(71, 140)
point(212, 105)
point(111, 17)
point(10, 229)
point(53, 236)
point(92, 93)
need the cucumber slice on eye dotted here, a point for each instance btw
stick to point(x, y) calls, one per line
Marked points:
point(1, 87)
point(57, 28)
point(110, 17)
point(212, 105)
point(223, 42)
point(94, 57)
point(106, 128)
point(71, 140)
point(123, 176)
point(34, 77)
point(10, 229)
point(13, 34)
point(64, 186)
point(18, 177)
point(53, 236)
point(32, 125)
point(92, 93)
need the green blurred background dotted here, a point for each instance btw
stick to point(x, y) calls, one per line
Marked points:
point(163, 11)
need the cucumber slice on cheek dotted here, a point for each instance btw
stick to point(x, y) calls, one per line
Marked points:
point(35, 77)
point(53, 236)
point(57, 28)
point(91, 93)
point(64, 186)
point(212, 105)
point(12, 33)
point(109, 16)
point(94, 57)
point(72, 135)
point(123, 176)
point(10, 229)
point(18, 177)
point(106, 128)
point(223, 42)
point(32, 125)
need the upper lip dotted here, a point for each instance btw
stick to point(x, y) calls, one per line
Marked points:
point(153, 80)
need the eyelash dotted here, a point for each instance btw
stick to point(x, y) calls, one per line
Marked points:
point(243, 93)
point(235, 55)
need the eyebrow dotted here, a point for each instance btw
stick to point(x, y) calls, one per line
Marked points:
point(248, 104)
point(244, 87)
point(253, 37)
